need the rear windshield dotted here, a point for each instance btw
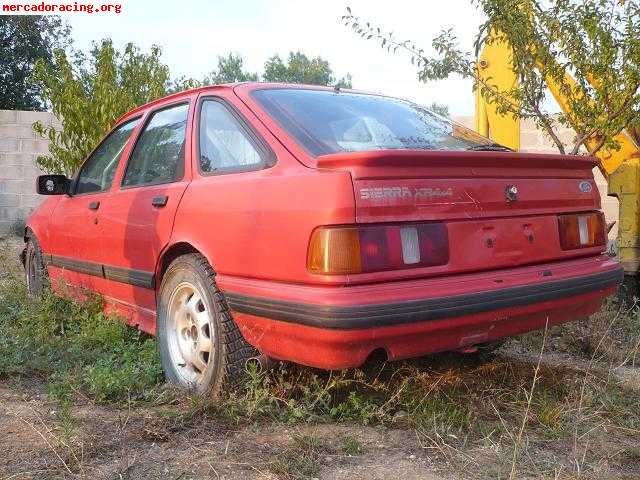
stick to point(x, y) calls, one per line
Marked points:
point(325, 122)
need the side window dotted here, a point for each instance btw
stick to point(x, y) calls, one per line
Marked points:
point(97, 172)
point(224, 144)
point(158, 156)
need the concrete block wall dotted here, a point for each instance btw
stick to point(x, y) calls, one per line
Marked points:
point(19, 148)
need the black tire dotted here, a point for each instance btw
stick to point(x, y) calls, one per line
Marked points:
point(225, 364)
point(35, 271)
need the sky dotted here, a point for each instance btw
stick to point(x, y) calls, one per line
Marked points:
point(193, 33)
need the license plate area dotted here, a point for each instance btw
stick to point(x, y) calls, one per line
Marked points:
point(503, 242)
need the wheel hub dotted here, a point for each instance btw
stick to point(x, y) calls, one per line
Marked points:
point(190, 333)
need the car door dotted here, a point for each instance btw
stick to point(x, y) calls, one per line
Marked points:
point(137, 217)
point(75, 237)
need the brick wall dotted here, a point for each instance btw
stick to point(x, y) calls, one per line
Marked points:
point(19, 147)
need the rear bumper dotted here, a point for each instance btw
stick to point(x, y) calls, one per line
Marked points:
point(337, 327)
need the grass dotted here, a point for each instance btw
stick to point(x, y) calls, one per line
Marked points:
point(75, 347)
point(611, 335)
point(300, 460)
point(351, 445)
point(77, 351)
point(455, 404)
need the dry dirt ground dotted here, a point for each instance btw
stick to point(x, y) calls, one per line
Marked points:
point(121, 444)
point(156, 443)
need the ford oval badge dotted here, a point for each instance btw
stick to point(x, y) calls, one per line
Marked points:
point(585, 187)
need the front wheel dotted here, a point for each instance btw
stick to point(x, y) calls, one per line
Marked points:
point(201, 347)
point(34, 269)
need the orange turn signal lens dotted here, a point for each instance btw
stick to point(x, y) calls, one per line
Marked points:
point(582, 230)
point(334, 251)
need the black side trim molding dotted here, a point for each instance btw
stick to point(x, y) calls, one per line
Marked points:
point(382, 315)
point(79, 266)
point(138, 278)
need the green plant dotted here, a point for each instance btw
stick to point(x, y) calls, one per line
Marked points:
point(76, 346)
point(351, 445)
point(17, 227)
point(298, 68)
point(88, 93)
point(550, 415)
point(62, 389)
point(595, 41)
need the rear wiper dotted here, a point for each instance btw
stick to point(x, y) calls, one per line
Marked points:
point(489, 147)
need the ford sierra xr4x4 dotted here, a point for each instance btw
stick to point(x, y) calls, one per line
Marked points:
point(318, 225)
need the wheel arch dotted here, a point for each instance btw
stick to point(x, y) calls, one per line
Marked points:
point(31, 232)
point(170, 253)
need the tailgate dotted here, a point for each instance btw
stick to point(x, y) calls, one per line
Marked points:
point(501, 209)
point(410, 199)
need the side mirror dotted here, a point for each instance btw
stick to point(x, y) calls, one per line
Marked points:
point(53, 185)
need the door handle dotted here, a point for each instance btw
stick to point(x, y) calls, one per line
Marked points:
point(94, 205)
point(160, 201)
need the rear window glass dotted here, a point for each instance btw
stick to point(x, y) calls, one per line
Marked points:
point(326, 122)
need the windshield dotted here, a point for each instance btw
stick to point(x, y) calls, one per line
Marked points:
point(326, 122)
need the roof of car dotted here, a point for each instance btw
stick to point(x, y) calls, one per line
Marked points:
point(247, 85)
point(184, 93)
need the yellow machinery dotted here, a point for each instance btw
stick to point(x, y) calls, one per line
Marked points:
point(621, 168)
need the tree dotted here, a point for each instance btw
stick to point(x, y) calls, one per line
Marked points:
point(300, 69)
point(230, 71)
point(183, 83)
point(595, 41)
point(89, 93)
point(23, 40)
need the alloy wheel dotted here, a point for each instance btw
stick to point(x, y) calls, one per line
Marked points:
point(190, 335)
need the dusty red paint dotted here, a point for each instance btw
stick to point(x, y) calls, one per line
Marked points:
point(254, 228)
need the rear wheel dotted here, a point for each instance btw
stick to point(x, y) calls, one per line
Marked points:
point(34, 269)
point(200, 345)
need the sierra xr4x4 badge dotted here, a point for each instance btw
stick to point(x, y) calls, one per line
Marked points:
point(403, 192)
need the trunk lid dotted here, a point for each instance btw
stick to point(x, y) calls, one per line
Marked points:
point(500, 207)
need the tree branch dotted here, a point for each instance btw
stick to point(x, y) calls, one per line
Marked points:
point(548, 127)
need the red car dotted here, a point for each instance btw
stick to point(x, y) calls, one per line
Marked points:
point(318, 225)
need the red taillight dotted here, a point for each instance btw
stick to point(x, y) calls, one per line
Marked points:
point(582, 230)
point(343, 250)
